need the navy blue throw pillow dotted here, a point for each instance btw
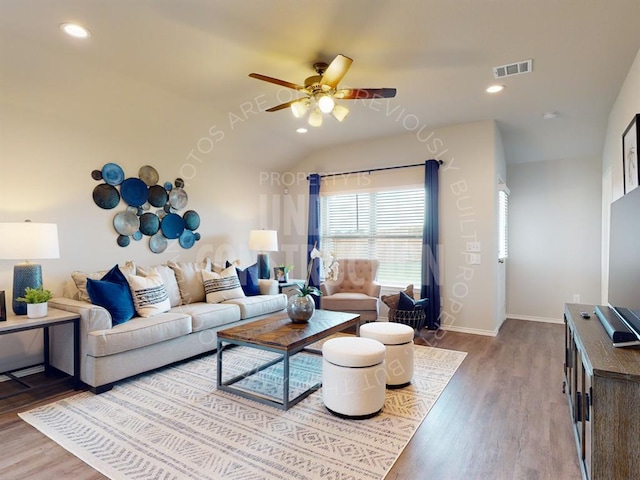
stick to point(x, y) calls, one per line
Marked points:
point(112, 292)
point(408, 304)
point(248, 279)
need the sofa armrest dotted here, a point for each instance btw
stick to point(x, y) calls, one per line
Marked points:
point(374, 289)
point(268, 287)
point(92, 317)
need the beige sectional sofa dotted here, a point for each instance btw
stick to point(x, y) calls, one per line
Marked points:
point(109, 352)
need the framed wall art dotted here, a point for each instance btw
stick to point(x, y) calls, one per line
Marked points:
point(630, 154)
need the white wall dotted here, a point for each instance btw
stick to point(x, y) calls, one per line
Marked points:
point(53, 135)
point(468, 182)
point(627, 105)
point(554, 237)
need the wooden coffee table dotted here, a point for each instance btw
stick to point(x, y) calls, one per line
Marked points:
point(278, 334)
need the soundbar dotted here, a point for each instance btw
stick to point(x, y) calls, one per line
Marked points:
point(616, 328)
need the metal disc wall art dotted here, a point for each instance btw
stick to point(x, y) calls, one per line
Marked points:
point(138, 219)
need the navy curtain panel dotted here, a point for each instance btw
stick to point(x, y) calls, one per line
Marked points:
point(313, 233)
point(430, 263)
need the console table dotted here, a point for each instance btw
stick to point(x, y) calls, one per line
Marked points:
point(21, 323)
point(602, 384)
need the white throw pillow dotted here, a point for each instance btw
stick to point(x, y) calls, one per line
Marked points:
point(149, 295)
point(222, 286)
point(189, 279)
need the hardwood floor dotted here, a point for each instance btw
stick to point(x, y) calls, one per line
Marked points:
point(502, 416)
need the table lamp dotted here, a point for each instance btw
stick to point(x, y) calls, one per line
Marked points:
point(263, 241)
point(22, 241)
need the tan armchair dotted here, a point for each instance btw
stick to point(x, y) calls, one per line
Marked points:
point(356, 289)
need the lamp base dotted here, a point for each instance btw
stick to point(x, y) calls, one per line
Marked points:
point(264, 270)
point(24, 275)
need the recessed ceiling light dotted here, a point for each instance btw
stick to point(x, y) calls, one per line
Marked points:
point(550, 115)
point(495, 88)
point(301, 130)
point(75, 30)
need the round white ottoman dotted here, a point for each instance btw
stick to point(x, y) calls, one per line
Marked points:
point(353, 376)
point(398, 338)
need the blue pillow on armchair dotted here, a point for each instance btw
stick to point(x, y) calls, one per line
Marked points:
point(248, 279)
point(408, 304)
point(112, 292)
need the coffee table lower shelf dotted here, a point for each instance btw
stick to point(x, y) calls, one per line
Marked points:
point(286, 402)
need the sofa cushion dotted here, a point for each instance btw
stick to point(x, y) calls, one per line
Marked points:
point(349, 301)
point(208, 315)
point(80, 278)
point(222, 286)
point(259, 304)
point(408, 303)
point(137, 333)
point(169, 279)
point(112, 292)
point(248, 279)
point(149, 295)
point(190, 279)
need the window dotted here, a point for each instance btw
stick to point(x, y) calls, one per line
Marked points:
point(383, 225)
point(503, 217)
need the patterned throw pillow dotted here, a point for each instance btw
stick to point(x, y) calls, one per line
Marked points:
point(149, 295)
point(222, 286)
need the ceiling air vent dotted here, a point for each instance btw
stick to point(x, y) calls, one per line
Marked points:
point(511, 69)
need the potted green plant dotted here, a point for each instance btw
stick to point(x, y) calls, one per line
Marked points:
point(36, 300)
point(301, 306)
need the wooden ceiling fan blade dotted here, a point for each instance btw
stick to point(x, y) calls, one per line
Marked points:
point(364, 93)
point(336, 70)
point(277, 81)
point(282, 106)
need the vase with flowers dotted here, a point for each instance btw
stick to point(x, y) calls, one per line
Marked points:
point(301, 306)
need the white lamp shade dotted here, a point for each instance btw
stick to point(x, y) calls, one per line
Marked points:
point(28, 241)
point(263, 240)
point(340, 112)
point(300, 107)
point(315, 119)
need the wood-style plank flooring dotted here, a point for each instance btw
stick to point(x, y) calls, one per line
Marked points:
point(502, 416)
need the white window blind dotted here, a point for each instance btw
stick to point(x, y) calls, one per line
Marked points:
point(384, 225)
point(503, 230)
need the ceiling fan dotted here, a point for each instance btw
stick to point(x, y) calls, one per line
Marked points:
point(322, 91)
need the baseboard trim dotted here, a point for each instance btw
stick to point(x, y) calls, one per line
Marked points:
point(473, 331)
point(536, 319)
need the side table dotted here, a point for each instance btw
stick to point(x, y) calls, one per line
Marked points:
point(289, 288)
point(21, 323)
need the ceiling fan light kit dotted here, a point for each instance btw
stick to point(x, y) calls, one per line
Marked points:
point(322, 90)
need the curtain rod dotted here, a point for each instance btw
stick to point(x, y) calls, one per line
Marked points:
point(369, 170)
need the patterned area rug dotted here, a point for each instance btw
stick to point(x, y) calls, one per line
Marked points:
point(174, 424)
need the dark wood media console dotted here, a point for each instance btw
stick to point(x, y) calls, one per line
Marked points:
point(603, 388)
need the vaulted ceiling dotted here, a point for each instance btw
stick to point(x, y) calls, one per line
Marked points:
point(439, 54)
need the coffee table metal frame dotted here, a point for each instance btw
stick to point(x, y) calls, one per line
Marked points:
point(287, 346)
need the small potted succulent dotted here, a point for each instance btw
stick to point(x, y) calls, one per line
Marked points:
point(36, 300)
